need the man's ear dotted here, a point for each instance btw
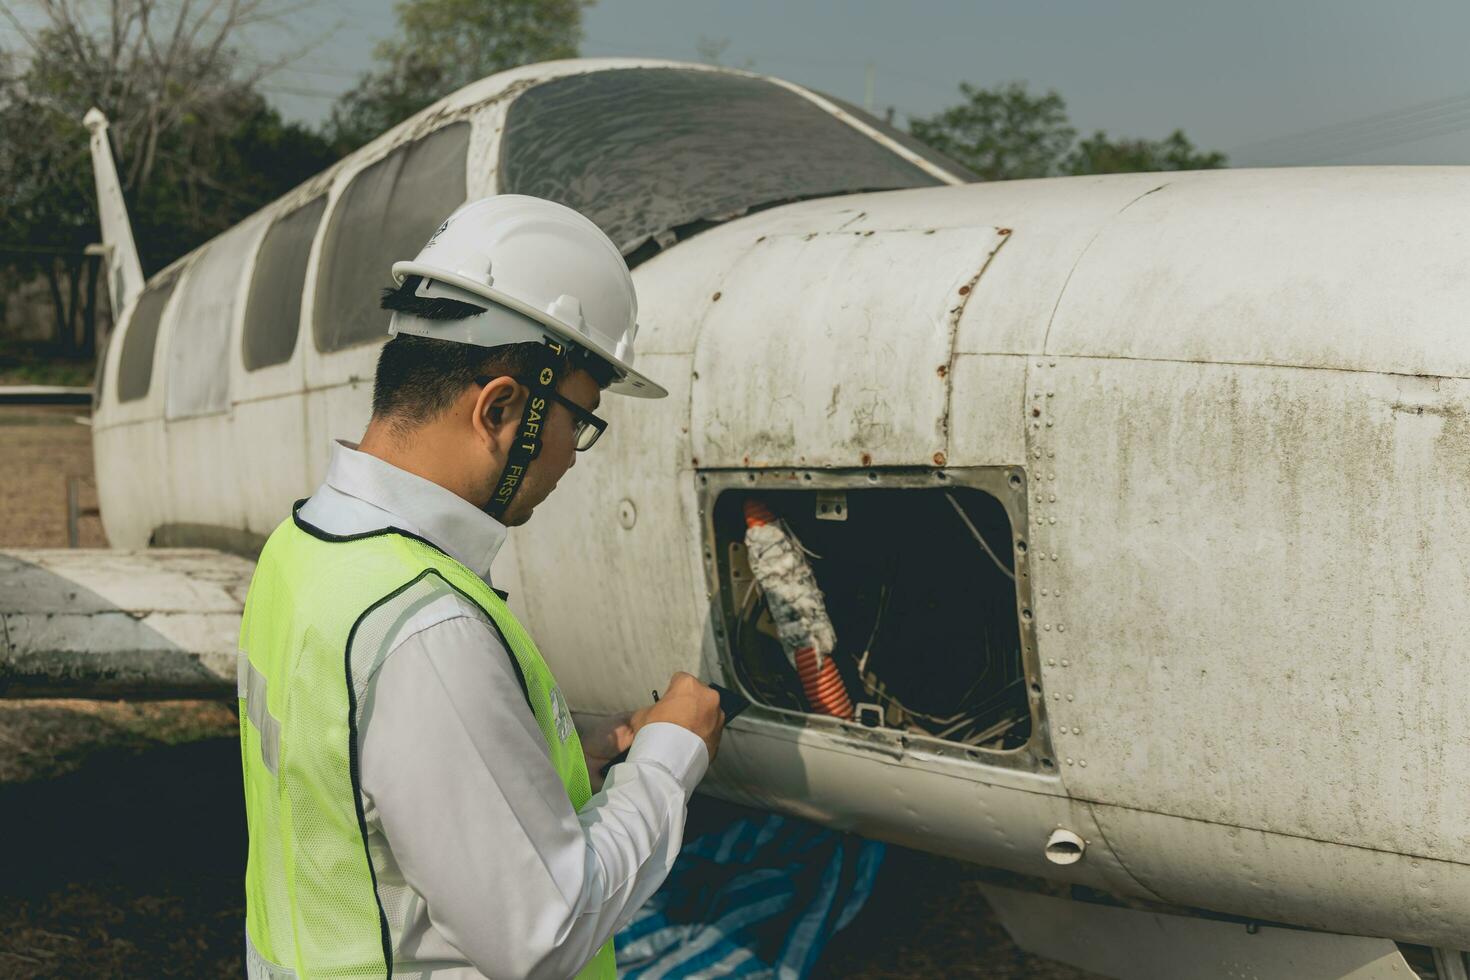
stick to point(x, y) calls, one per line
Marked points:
point(498, 410)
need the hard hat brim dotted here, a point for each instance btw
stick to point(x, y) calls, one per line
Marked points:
point(628, 381)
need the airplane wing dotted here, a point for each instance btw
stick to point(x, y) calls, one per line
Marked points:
point(101, 623)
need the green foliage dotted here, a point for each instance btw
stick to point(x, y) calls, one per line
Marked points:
point(1100, 155)
point(197, 150)
point(212, 173)
point(218, 162)
point(1008, 133)
point(443, 45)
point(45, 198)
point(1001, 133)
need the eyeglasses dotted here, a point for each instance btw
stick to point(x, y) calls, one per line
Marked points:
point(586, 427)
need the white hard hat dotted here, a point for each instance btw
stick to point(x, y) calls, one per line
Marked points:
point(540, 260)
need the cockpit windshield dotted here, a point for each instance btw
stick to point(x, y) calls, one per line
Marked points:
point(655, 154)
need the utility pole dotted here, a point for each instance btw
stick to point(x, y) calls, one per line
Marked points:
point(868, 79)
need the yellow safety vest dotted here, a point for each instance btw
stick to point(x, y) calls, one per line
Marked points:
point(320, 614)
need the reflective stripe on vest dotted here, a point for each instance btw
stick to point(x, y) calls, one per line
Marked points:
point(322, 613)
point(250, 685)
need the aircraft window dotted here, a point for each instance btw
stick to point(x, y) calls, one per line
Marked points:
point(135, 361)
point(199, 349)
point(386, 214)
point(648, 151)
point(928, 634)
point(273, 309)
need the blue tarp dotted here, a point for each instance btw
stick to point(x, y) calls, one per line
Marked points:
point(758, 898)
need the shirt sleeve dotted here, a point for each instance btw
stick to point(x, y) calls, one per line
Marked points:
point(461, 782)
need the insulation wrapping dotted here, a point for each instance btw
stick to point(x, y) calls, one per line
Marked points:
point(797, 607)
point(795, 601)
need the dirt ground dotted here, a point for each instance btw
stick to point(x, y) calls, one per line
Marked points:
point(40, 449)
point(125, 834)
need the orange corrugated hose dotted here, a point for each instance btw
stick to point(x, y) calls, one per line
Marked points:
point(822, 683)
point(757, 514)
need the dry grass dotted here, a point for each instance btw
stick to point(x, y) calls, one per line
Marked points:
point(40, 448)
point(47, 739)
point(123, 821)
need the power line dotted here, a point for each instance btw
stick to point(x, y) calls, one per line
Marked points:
point(1350, 124)
point(1444, 129)
point(1408, 132)
point(323, 72)
point(1408, 124)
point(310, 93)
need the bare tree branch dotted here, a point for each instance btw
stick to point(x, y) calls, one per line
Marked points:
point(19, 25)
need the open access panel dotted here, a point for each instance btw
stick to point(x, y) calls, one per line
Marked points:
point(923, 576)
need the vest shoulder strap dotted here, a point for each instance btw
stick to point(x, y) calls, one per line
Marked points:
point(451, 573)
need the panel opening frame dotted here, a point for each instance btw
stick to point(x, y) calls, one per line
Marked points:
point(1006, 484)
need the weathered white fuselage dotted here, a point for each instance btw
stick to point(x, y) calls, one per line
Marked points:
point(1239, 403)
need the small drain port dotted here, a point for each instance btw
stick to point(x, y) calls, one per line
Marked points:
point(918, 584)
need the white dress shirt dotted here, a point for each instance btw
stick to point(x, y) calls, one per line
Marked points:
point(483, 867)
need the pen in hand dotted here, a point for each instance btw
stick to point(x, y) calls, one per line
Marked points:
point(731, 704)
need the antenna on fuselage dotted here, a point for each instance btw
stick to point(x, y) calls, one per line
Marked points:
point(124, 271)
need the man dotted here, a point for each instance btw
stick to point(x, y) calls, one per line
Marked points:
point(418, 799)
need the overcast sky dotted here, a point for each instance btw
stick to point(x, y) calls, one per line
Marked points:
point(1255, 78)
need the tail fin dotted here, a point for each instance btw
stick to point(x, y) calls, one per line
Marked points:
point(124, 271)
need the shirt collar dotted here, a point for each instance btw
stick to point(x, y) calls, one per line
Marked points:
point(444, 518)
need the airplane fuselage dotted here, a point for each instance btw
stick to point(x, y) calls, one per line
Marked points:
point(1219, 420)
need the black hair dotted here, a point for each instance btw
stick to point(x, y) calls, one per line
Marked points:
point(418, 378)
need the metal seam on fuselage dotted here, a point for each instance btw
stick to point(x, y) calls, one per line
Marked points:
point(1272, 833)
point(1102, 832)
point(1321, 368)
point(1046, 337)
point(955, 316)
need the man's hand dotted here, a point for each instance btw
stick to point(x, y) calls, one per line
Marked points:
point(604, 738)
point(688, 704)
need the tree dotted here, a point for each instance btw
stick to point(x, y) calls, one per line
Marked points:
point(197, 147)
point(1100, 155)
point(1001, 133)
point(443, 45)
point(1006, 133)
